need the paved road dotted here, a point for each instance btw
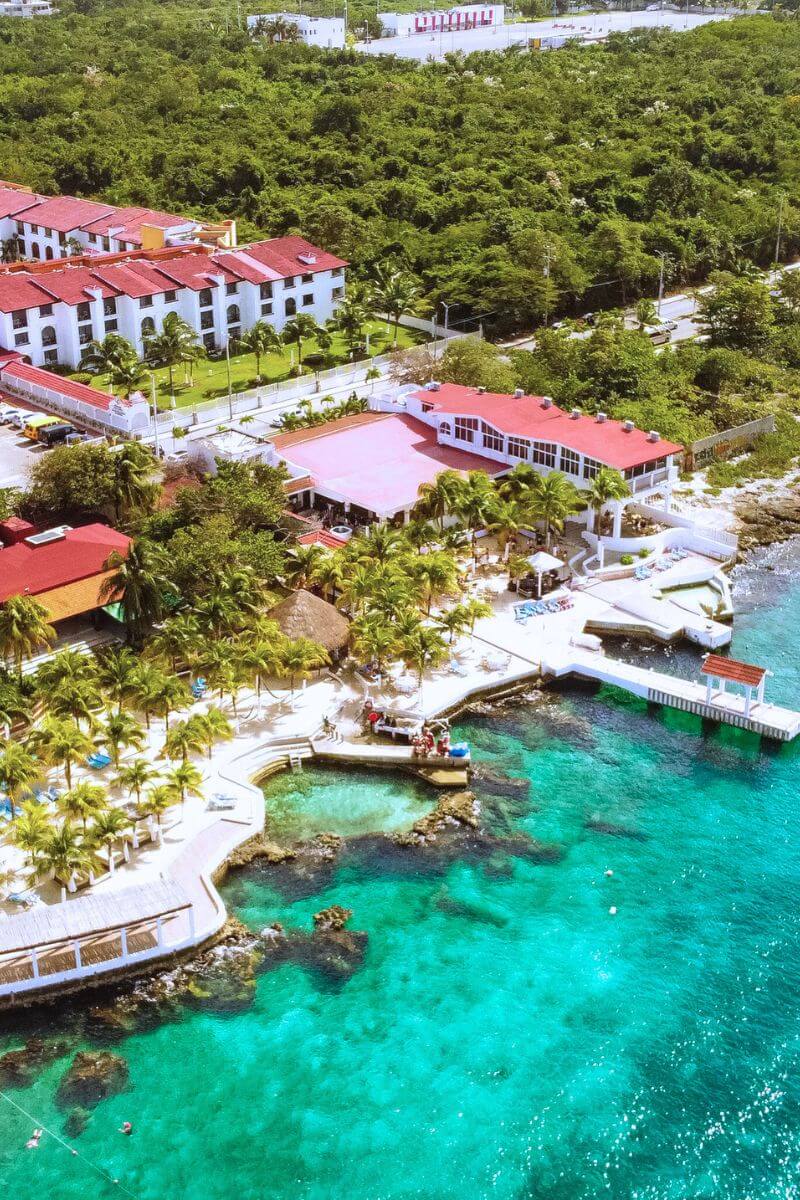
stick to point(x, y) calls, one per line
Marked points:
point(588, 28)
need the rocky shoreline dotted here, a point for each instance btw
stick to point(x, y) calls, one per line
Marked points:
point(765, 519)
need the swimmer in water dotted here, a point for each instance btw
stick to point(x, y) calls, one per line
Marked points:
point(33, 1141)
point(126, 1128)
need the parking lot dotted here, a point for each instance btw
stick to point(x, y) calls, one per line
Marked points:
point(17, 456)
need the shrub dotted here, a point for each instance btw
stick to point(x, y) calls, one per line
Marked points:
point(626, 560)
point(643, 553)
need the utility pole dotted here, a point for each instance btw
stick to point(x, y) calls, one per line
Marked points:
point(780, 229)
point(157, 445)
point(546, 273)
point(228, 364)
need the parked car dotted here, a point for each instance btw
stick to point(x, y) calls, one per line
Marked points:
point(659, 334)
point(6, 413)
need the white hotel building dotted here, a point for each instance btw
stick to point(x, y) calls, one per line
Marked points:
point(50, 311)
point(451, 20)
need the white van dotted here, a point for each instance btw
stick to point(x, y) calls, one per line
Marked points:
point(659, 334)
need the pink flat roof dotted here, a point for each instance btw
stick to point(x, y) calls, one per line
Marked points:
point(378, 462)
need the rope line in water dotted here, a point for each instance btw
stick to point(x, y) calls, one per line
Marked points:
point(38, 1124)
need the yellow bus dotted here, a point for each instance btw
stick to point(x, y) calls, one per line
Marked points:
point(37, 421)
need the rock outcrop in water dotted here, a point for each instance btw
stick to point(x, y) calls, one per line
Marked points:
point(19, 1068)
point(452, 808)
point(92, 1077)
point(612, 829)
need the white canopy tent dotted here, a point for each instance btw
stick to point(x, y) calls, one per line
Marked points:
point(541, 562)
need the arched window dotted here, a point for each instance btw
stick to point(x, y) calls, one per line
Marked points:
point(445, 430)
point(291, 307)
point(148, 327)
point(35, 251)
point(48, 336)
point(233, 314)
point(48, 253)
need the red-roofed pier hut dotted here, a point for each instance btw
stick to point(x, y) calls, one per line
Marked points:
point(722, 671)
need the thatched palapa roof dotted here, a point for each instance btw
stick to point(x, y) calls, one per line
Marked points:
point(305, 615)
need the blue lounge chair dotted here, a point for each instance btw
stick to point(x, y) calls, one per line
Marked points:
point(98, 760)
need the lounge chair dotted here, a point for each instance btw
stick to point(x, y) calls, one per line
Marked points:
point(220, 802)
point(98, 760)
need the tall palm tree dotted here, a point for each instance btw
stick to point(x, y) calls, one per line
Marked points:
point(170, 695)
point(475, 504)
point(261, 339)
point(263, 660)
point(183, 739)
point(374, 639)
point(425, 648)
point(30, 828)
point(132, 488)
point(145, 685)
point(475, 610)
point(102, 357)
point(24, 629)
point(85, 800)
point(454, 621)
point(157, 801)
point(116, 672)
point(63, 854)
point(170, 347)
point(129, 377)
point(301, 565)
point(329, 575)
point(420, 534)
point(299, 658)
point(137, 577)
point(506, 520)
point(437, 573)
point(440, 497)
point(213, 726)
point(19, 771)
point(121, 731)
point(379, 545)
point(517, 484)
point(553, 499)
point(65, 665)
point(184, 780)
point(396, 293)
point(298, 328)
point(60, 743)
point(352, 314)
point(176, 640)
point(607, 485)
point(134, 777)
point(108, 827)
point(76, 698)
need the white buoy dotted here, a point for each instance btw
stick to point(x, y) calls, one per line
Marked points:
point(609, 874)
point(613, 911)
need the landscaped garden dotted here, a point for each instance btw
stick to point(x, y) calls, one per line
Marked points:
point(207, 378)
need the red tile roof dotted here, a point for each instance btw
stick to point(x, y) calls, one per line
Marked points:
point(280, 255)
point(733, 670)
point(322, 537)
point(65, 214)
point(37, 377)
point(29, 570)
point(125, 224)
point(15, 200)
point(72, 285)
point(528, 417)
point(21, 291)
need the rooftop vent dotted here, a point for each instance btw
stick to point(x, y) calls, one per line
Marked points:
point(653, 435)
point(547, 401)
point(573, 416)
point(432, 386)
point(518, 393)
point(57, 534)
point(481, 391)
point(309, 259)
point(601, 416)
point(628, 426)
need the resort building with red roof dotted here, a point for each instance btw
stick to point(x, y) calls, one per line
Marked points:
point(63, 568)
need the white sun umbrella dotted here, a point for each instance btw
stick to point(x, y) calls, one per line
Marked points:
point(541, 562)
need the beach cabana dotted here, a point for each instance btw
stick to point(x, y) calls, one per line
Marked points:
point(540, 563)
point(304, 615)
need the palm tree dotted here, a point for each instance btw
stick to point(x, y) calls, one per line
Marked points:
point(129, 377)
point(437, 574)
point(396, 293)
point(19, 770)
point(63, 853)
point(645, 313)
point(507, 518)
point(475, 504)
point(425, 648)
point(61, 743)
point(381, 544)
point(261, 339)
point(24, 629)
point(296, 329)
point(117, 671)
point(108, 827)
point(329, 574)
point(65, 665)
point(213, 726)
point(374, 639)
point(103, 357)
point(301, 565)
point(76, 698)
point(420, 534)
point(439, 498)
point(157, 801)
point(184, 780)
point(170, 347)
point(183, 739)
point(176, 639)
point(169, 695)
point(454, 621)
point(352, 314)
point(300, 657)
point(145, 685)
point(135, 776)
point(518, 483)
point(132, 488)
point(263, 659)
point(121, 730)
point(85, 800)
point(475, 609)
point(553, 499)
point(138, 580)
point(607, 485)
point(30, 828)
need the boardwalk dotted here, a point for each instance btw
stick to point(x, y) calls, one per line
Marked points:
point(769, 720)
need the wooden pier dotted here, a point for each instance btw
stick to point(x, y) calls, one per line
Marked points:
point(721, 706)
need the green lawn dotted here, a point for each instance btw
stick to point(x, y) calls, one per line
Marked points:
point(211, 377)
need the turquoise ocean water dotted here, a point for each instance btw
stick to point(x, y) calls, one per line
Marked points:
point(507, 1036)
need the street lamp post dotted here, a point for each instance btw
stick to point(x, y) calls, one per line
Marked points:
point(663, 258)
